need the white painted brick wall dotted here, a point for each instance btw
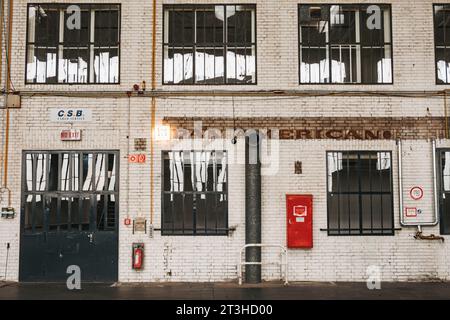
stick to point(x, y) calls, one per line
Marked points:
point(214, 258)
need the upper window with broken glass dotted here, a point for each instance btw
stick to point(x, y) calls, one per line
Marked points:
point(442, 42)
point(75, 44)
point(209, 44)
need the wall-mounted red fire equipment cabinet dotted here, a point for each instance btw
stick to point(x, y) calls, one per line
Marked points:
point(299, 212)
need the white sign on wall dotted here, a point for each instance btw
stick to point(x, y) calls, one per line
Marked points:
point(70, 115)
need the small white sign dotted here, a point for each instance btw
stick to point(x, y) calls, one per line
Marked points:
point(70, 115)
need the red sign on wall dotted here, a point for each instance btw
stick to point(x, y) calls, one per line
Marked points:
point(137, 158)
point(70, 135)
point(416, 193)
point(411, 212)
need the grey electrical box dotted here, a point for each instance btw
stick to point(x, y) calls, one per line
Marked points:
point(13, 101)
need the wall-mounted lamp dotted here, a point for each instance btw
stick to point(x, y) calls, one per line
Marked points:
point(162, 132)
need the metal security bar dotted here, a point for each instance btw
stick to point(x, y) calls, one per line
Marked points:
point(336, 44)
point(283, 263)
point(194, 193)
point(209, 44)
point(360, 196)
point(85, 52)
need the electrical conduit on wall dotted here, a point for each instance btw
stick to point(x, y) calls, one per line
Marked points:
point(419, 225)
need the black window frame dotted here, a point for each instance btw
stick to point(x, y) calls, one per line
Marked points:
point(352, 232)
point(329, 44)
point(441, 154)
point(194, 232)
point(436, 46)
point(223, 44)
point(63, 6)
point(104, 223)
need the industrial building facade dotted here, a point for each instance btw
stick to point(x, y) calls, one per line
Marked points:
point(150, 141)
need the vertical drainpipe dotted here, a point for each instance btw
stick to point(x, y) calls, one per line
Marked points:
point(1, 83)
point(1, 38)
point(153, 114)
point(252, 206)
point(7, 91)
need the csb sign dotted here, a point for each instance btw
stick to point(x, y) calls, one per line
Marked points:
point(70, 115)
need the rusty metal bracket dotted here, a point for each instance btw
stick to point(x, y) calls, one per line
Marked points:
point(420, 236)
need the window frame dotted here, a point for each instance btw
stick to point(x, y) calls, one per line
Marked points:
point(193, 6)
point(436, 45)
point(330, 83)
point(440, 156)
point(59, 194)
point(119, 45)
point(341, 232)
point(219, 232)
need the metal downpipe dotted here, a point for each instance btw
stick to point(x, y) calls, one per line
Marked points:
point(252, 206)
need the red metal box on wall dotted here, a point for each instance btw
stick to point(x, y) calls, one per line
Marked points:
point(299, 212)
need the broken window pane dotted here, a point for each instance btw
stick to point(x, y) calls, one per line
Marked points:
point(196, 39)
point(194, 192)
point(57, 52)
point(340, 42)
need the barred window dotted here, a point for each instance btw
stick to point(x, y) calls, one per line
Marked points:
point(70, 190)
point(442, 42)
point(194, 193)
point(345, 44)
point(209, 44)
point(360, 197)
point(69, 46)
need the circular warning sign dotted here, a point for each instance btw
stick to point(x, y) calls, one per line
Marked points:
point(416, 193)
point(141, 158)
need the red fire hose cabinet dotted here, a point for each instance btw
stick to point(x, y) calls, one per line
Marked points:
point(299, 212)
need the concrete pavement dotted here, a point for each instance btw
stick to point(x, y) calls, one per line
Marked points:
point(227, 291)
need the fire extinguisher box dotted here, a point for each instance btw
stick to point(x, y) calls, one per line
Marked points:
point(299, 212)
point(138, 256)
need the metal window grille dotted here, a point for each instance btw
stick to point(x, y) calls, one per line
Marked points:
point(337, 44)
point(360, 196)
point(194, 193)
point(70, 191)
point(209, 44)
point(58, 52)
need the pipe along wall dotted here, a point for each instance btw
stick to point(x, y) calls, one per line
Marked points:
point(253, 206)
